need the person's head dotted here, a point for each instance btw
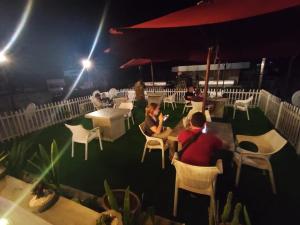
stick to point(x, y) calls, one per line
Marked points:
point(152, 109)
point(198, 120)
point(190, 89)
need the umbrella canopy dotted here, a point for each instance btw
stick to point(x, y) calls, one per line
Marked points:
point(247, 29)
point(136, 62)
point(218, 11)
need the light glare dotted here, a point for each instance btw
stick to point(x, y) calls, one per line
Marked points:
point(4, 221)
point(86, 63)
point(3, 59)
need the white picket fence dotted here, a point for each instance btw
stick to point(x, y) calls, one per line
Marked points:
point(284, 116)
point(231, 94)
point(19, 123)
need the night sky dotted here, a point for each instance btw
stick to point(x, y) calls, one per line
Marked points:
point(60, 32)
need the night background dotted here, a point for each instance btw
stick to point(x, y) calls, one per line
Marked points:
point(59, 34)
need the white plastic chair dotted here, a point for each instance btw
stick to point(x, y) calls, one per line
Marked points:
point(29, 114)
point(112, 93)
point(153, 143)
point(196, 179)
point(84, 136)
point(267, 144)
point(187, 106)
point(170, 100)
point(131, 96)
point(242, 105)
point(128, 105)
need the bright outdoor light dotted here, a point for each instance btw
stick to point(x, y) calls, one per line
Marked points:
point(3, 59)
point(4, 221)
point(86, 63)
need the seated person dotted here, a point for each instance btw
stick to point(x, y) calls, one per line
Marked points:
point(198, 147)
point(153, 125)
point(198, 97)
point(189, 94)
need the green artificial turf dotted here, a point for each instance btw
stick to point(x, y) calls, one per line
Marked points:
point(119, 163)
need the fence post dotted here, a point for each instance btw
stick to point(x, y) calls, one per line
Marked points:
point(278, 115)
point(267, 104)
point(298, 145)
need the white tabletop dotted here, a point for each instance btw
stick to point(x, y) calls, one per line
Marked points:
point(108, 113)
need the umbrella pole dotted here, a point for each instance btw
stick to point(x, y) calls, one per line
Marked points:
point(261, 74)
point(152, 75)
point(218, 77)
point(206, 77)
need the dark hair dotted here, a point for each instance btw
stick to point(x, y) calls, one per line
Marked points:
point(151, 108)
point(198, 119)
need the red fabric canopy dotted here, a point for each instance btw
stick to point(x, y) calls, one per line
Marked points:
point(218, 11)
point(244, 29)
point(135, 62)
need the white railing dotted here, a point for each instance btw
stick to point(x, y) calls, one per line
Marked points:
point(19, 123)
point(231, 94)
point(284, 116)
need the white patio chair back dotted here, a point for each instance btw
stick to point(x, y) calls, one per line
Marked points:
point(153, 143)
point(242, 105)
point(170, 100)
point(196, 179)
point(30, 110)
point(187, 106)
point(96, 103)
point(129, 106)
point(84, 136)
point(112, 93)
point(267, 144)
point(131, 96)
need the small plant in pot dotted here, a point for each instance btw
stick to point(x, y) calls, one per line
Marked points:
point(46, 189)
point(229, 217)
point(130, 212)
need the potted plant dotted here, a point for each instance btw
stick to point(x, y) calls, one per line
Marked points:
point(130, 212)
point(46, 190)
point(229, 217)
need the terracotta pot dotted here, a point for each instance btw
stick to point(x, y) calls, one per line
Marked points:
point(43, 203)
point(135, 203)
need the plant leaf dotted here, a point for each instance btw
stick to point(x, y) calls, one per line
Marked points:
point(110, 196)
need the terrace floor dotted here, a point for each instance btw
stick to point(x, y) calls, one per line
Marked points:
point(119, 163)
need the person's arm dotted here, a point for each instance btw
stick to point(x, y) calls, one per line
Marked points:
point(157, 129)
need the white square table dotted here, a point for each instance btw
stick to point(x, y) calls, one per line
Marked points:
point(111, 122)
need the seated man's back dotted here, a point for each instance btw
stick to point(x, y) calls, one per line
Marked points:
point(199, 152)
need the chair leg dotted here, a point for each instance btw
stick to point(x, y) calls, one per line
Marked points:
point(248, 117)
point(144, 153)
point(72, 154)
point(238, 172)
point(100, 143)
point(175, 201)
point(172, 106)
point(183, 110)
point(234, 109)
point(132, 120)
point(164, 105)
point(86, 151)
point(162, 158)
point(128, 122)
point(272, 180)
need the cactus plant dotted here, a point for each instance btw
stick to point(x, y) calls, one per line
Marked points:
point(227, 209)
point(246, 216)
point(236, 214)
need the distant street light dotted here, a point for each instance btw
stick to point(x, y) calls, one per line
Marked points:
point(86, 63)
point(3, 58)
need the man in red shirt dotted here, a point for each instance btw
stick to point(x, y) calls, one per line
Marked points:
point(199, 151)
